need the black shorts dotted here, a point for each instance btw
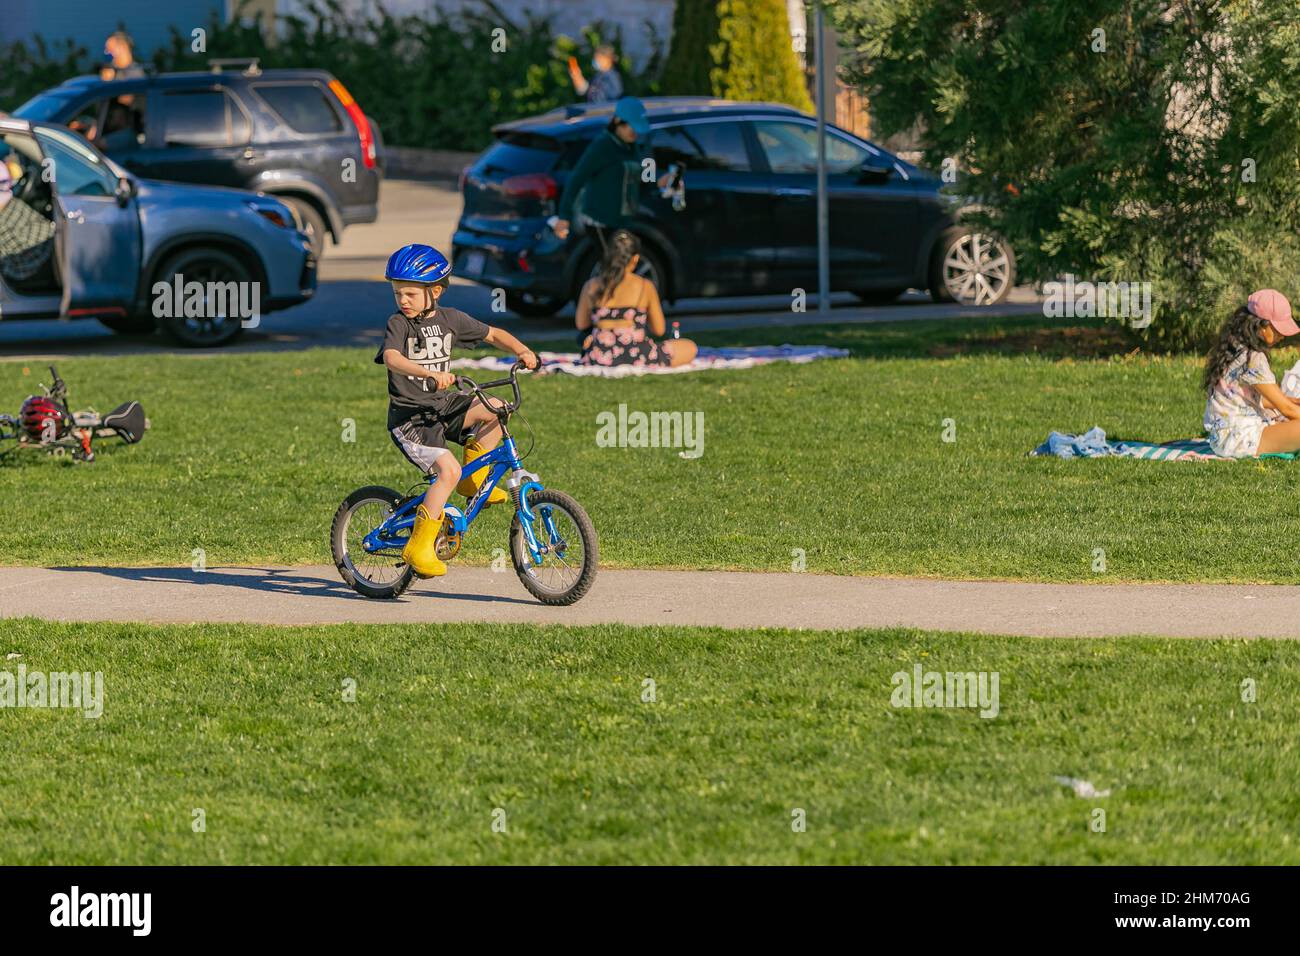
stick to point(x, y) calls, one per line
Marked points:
point(422, 433)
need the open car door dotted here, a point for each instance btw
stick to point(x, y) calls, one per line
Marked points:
point(29, 284)
point(97, 228)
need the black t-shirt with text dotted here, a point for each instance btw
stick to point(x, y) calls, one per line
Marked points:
point(427, 341)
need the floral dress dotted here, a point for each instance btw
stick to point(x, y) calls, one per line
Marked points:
point(1235, 416)
point(630, 345)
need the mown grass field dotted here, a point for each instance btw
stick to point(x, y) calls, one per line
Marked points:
point(844, 460)
point(547, 725)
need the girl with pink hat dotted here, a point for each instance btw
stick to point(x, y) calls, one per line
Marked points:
point(1246, 413)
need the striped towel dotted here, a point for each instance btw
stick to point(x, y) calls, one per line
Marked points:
point(1094, 444)
point(1184, 449)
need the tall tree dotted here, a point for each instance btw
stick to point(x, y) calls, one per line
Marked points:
point(736, 49)
point(758, 61)
point(1142, 140)
point(688, 70)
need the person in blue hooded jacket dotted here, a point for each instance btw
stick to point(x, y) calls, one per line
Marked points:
point(604, 190)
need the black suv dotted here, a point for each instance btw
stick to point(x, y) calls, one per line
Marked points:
point(749, 225)
point(295, 134)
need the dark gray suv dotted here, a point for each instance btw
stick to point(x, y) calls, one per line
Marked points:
point(294, 134)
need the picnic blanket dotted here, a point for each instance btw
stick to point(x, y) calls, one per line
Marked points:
point(1094, 444)
point(728, 358)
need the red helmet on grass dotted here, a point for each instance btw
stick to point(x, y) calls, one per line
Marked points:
point(44, 419)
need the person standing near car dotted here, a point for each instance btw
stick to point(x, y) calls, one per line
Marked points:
point(605, 186)
point(123, 115)
point(605, 85)
point(119, 58)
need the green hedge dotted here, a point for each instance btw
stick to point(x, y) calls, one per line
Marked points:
point(437, 83)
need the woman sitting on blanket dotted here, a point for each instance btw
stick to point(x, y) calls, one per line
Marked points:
point(1246, 413)
point(620, 321)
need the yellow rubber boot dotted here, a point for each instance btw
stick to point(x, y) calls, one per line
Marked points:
point(470, 484)
point(421, 551)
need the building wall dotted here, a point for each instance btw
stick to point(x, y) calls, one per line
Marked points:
point(88, 22)
point(567, 16)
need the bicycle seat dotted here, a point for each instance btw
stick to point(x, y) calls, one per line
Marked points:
point(128, 421)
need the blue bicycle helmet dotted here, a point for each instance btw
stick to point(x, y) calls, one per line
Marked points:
point(417, 263)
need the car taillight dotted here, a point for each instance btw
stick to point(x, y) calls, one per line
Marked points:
point(359, 119)
point(531, 186)
point(464, 174)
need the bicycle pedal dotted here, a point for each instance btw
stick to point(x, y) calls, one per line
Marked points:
point(447, 544)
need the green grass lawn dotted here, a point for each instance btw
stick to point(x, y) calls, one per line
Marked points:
point(547, 724)
point(844, 460)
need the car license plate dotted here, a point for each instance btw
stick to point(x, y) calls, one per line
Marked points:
point(474, 262)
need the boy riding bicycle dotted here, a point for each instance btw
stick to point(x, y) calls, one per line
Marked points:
point(424, 410)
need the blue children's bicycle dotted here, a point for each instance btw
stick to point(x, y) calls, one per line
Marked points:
point(552, 541)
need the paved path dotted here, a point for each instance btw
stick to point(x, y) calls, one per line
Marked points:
point(315, 595)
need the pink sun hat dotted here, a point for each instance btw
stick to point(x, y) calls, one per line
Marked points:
point(1271, 305)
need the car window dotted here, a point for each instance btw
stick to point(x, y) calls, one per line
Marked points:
point(115, 124)
point(203, 118)
point(76, 169)
point(792, 148)
point(702, 146)
point(123, 124)
point(572, 152)
point(302, 105)
point(519, 154)
point(43, 106)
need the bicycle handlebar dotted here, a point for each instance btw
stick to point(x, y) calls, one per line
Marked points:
point(58, 389)
point(512, 380)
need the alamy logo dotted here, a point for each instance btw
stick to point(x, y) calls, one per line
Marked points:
point(1102, 300)
point(947, 689)
point(83, 691)
point(103, 909)
point(208, 300)
point(651, 430)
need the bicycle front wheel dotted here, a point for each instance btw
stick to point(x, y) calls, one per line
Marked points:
point(567, 540)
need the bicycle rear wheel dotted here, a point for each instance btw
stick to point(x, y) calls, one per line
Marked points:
point(570, 551)
point(375, 574)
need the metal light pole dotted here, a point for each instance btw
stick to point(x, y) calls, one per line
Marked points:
point(823, 212)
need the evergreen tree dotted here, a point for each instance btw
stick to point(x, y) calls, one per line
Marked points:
point(736, 49)
point(757, 61)
point(688, 70)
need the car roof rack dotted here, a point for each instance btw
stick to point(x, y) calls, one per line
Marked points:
point(248, 65)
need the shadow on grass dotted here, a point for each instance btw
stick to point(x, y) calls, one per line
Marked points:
point(945, 338)
point(287, 581)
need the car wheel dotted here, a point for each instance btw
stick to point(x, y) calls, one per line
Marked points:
point(313, 223)
point(878, 296)
point(205, 265)
point(972, 268)
point(138, 324)
point(533, 306)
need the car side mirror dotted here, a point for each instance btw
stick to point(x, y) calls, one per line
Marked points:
point(870, 172)
point(125, 190)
